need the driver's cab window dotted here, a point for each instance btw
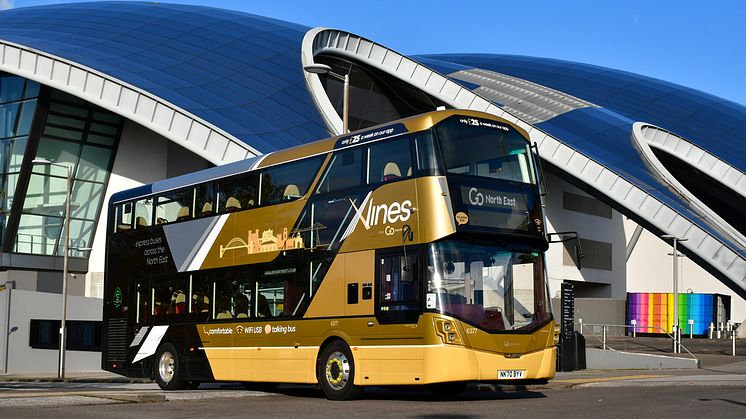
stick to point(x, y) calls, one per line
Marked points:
point(398, 286)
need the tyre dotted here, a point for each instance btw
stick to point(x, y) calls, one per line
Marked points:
point(447, 390)
point(166, 369)
point(336, 372)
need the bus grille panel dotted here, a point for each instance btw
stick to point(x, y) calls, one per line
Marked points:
point(116, 341)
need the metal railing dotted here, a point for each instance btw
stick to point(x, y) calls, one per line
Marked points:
point(722, 330)
point(605, 327)
point(42, 245)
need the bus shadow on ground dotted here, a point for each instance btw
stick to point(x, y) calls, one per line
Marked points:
point(415, 394)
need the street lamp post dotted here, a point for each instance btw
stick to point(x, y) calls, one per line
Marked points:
point(63, 329)
point(325, 69)
point(675, 254)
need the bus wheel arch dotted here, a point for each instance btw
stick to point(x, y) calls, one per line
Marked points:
point(336, 370)
point(167, 368)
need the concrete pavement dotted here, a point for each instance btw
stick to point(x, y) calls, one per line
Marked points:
point(711, 353)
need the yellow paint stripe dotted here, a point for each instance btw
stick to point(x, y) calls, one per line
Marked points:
point(223, 348)
point(316, 347)
point(602, 379)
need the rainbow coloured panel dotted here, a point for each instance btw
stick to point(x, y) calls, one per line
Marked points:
point(654, 312)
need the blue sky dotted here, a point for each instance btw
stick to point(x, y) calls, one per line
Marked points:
point(697, 44)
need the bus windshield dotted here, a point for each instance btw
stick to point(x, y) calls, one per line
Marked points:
point(492, 287)
point(484, 148)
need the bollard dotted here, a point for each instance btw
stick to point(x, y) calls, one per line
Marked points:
point(634, 328)
point(691, 328)
point(580, 321)
point(720, 329)
point(674, 333)
point(711, 330)
point(604, 333)
point(733, 337)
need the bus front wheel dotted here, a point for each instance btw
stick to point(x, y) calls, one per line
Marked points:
point(337, 372)
point(167, 373)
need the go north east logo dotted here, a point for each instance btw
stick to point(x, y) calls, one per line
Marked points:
point(370, 214)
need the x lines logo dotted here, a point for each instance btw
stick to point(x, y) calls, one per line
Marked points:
point(370, 214)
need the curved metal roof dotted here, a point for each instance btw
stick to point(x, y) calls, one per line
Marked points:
point(706, 127)
point(237, 71)
point(235, 81)
point(708, 121)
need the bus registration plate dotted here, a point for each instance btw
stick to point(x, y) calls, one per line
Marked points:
point(511, 374)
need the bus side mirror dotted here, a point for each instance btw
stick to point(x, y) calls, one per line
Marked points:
point(565, 236)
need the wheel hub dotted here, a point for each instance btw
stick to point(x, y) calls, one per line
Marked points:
point(166, 367)
point(337, 370)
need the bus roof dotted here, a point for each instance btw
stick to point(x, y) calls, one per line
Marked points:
point(379, 132)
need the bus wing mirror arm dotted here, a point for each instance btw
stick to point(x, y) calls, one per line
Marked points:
point(565, 236)
point(406, 235)
point(539, 170)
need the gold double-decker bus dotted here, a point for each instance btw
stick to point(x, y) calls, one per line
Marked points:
point(411, 253)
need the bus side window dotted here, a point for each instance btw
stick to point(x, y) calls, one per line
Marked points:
point(143, 212)
point(201, 296)
point(204, 200)
point(287, 182)
point(124, 217)
point(345, 171)
point(389, 160)
point(169, 298)
point(143, 300)
point(427, 156)
point(398, 285)
point(174, 206)
point(223, 300)
point(270, 298)
point(238, 193)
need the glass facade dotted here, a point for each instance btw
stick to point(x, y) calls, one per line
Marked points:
point(375, 97)
point(18, 98)
point(76, 135)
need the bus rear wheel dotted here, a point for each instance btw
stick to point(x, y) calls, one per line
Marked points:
point(337, 372)
point(166, 368)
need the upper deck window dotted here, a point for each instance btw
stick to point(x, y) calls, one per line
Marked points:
point(344, 171)
point(290, 181)
point(485, 148)
point(389, 160)
point(239, 192)
point(174, 206)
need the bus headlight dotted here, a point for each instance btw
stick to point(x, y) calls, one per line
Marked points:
point(556, 334)
point(447, 331)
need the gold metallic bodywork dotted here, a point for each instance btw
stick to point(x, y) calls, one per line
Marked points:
point(241, 225)
point(287, 351)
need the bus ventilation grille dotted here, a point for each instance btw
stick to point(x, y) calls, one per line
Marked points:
point(116, 341)
point(115, 263)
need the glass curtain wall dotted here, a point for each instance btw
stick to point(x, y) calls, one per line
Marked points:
point(18, 98)
point(83, 137)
